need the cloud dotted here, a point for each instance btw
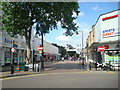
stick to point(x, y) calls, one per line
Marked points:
point(82, 25)
point(63, 38)
point(81, 14)
point(96, 8)
point(74, 40)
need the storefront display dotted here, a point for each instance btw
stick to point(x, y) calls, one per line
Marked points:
point(113, 57)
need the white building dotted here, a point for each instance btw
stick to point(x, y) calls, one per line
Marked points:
point(20, 45)
point(107, 34)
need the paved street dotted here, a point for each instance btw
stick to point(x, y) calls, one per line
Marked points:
point(64, 80)
point(65, 65)
point(64, 75)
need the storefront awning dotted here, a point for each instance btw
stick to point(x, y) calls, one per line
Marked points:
point(95, 45)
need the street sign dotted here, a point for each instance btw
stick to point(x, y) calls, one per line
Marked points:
point(106, 46)
point(13, 49)
point(40, 51)
point(40, 48)
point(101, 48)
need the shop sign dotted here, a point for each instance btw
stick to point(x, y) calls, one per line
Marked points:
point(110, 32)
point(110, 17)
point(106, 46)
point(114, 59)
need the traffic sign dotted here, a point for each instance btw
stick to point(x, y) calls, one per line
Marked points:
point(13, 49)
point(40, 48)
point(101, 48)
point(40, 51)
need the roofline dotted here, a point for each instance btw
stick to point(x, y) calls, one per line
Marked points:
point(104, 14)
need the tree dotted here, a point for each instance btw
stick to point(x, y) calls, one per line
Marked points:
point(62, 49)
point(19, 17)
point(70, 46)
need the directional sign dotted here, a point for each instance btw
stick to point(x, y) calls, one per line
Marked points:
point(101, 48)
point(40, 48)
point(13, 49)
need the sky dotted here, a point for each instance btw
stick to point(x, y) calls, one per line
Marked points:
point(89, 13)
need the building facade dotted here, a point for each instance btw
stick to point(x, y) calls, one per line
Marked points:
point(106, 32)
point(20, 45)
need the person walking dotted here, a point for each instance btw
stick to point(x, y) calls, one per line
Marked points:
point(90, 66)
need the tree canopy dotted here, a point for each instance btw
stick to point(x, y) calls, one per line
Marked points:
point(19, 17)
point(62, 49)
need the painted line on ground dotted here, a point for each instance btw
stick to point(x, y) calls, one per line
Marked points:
point(23, 76)
point(86, 72)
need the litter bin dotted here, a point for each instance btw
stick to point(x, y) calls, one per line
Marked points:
point(22, 66)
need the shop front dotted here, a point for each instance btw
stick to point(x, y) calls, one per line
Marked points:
point(112, 55)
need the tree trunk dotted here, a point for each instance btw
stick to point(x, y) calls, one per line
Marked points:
point(28, 52)
point(28, 45)
point(28, 34)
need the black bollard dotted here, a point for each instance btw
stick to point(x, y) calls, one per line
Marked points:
point(90, 66)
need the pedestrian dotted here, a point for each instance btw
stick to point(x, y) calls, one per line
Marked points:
point(83, 63)
point(96, 66)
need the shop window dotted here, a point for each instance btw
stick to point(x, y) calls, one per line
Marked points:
point(7, 55)
point(113, 57)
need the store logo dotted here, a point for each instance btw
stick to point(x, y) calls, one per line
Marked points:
point(110, 32)
point(110, 17)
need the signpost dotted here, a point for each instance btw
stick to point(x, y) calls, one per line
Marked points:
point(13, 49)
point(101, 48)
point(40, 49)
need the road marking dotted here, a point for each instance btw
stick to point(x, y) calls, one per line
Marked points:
point(87, 72)
point(23, 76)
point(111, 72)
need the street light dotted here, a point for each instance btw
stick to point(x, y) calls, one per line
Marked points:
point(42, 31)
point(82, 43)
point(12, 64)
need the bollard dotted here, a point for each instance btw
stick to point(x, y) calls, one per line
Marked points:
point(12, 69)
point(90, 66)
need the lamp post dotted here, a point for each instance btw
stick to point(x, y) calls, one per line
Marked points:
point(33, 54)
point(42, 43)
point(12, 64)
point(82, 45)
